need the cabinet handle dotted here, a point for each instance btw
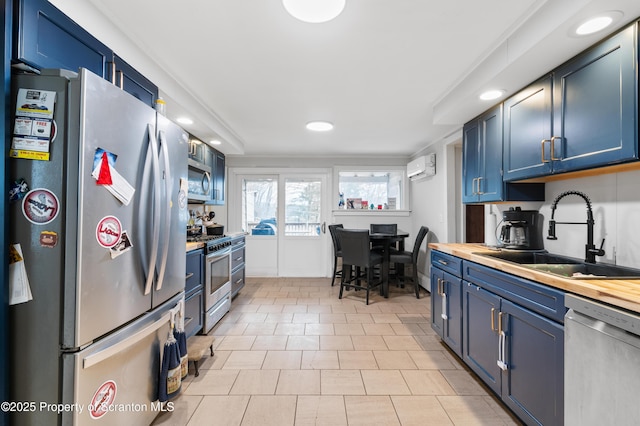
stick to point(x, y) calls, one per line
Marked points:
point(473, 186)
point(544, 160)
point(189, 275)
point(480, 192)
point(121, 75)
point(239, 281)
point(237, 259)
point(443, 262)
point(113, 72)
point(206, 188)
point(553, 148)
point(502, 345)
point(500, 331)
point(493, 321)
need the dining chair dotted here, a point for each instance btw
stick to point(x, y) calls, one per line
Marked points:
point(356, 253)
point(337, 251)
point(382, 228)
point(401, 258)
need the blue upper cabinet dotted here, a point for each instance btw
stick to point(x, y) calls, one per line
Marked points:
point(482, 158)
point(583, 115)
point(47, 38)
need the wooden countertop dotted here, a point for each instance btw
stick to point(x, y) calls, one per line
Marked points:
point(194, 246)
point(621, 293)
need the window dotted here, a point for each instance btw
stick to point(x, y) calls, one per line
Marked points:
point(372, 189)
point(260, 206)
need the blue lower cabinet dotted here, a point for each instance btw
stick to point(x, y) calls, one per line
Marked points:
point(446, 308)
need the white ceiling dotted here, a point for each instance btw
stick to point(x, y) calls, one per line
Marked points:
point(393, 75)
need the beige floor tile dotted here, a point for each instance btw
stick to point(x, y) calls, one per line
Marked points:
point(344, 308)
point(285, 300)
point(230, 329)
point(289, 329)
point(359, 318)
point(227, 410)
point(306, 318)
point(429, 343)
point(420, 411)
point(463, 383)
point(427, 382)
point(299, 382)
point(253, 317)
point(401, 343)
point(368, 343)
point(319, 330)
point(370, 410)
point(263, 301)
point(270, 410)
point(431, 360)
point(269, 343)
point(320, 360)
point(357, 360)
point(257, 329)
point(324, 410)
point(385, 318)
point(236, 343)
point(308, 301)
point(368, 309)
point(319, 309)
point(330, 343)
point(209, 363)
point(184, 407)
point(212, 382)
point(245, 360)
point(406, 329)
point(279, 318)
point(394, 360)
point(378, 330)
point(255, 382)
point(333, 318)
point(384, 382)
point(341, 382)
point(304, 343)
point(281, 360)
point(348, 330)
point(270, 309)
point(295, 309)
point(470, 410)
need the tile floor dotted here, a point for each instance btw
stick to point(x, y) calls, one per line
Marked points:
point(291, 353)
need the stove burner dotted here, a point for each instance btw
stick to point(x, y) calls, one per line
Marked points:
point(202, 238)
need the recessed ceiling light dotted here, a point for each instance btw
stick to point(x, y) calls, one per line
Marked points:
point(215, 142)
point(598, 23)
point(319, 126)
point(490, 95)
point(184, 120)
point(314, 11)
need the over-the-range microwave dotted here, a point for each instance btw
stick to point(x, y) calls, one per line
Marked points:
point(200, 184)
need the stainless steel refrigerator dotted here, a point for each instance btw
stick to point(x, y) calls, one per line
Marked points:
point(108, 265)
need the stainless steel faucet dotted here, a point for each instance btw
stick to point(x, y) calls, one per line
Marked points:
point(590, 249)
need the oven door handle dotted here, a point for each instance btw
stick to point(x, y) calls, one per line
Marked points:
point(219, 253)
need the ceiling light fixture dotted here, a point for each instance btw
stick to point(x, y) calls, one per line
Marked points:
point(490, 95)
point(319, 126)
point(314, 11)
point(184, 120)
point(598, 23)
point(215, 142)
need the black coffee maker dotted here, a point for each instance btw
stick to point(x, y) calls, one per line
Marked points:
point(521, 230)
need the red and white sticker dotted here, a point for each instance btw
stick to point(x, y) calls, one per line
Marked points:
point(108, 231)
point(40, 206)
point(102, 399)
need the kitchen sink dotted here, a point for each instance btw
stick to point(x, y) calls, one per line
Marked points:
point(564, 266)
point(532, 258)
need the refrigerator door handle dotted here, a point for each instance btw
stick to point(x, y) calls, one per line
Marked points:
point(155, 167)
point(166, 203)
point(93, 359)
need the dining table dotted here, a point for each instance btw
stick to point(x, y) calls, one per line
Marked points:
point(386, 239)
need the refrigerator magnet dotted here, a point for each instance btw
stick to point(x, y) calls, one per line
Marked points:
point(121, 246)
point(108, 231)
point(103, 399)
point(18, 190)
point(40, 206)
point(48, 239)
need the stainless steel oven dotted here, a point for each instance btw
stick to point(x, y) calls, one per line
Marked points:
point(217, 288)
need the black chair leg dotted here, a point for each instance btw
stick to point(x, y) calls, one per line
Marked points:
point(335, 267)
point(415, 281)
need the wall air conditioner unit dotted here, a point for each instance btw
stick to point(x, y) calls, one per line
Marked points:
point(422, 167)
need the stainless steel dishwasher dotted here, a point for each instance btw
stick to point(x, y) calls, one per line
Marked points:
point(602, 364)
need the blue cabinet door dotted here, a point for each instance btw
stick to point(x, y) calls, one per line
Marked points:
point(452, 321)
point(436, 301)
point(134, 83)
point(470, 161)
point(533, 383)
point(218, 177)
point(47, 38)
point(490, 182)
point(595, 114)
point(527, 132)
point(480, 337)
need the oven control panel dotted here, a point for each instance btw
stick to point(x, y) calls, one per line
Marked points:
point(217, 245)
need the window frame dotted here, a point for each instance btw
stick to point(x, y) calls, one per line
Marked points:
point(335, 199)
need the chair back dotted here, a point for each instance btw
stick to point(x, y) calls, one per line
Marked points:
point(355, 246)
point(334, 237)
point(384, 228)
point(416, 246)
